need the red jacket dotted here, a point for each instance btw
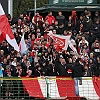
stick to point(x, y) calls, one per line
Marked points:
point(50, 19)
point(37, 19)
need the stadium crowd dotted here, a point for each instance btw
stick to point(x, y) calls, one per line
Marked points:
point(41, 57)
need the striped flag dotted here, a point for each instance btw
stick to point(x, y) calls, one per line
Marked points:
point(56, 88)
point(62, 87)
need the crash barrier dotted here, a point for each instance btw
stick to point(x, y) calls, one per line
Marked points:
point(48, 87)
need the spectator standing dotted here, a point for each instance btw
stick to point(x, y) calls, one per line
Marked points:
point(92, 67)
point(1, 72)
point(81, 20)
point(50, 18)
point(95, 30)
point(4, 47)
point(4, 63)
point(96, 49)
point(69, 66)
point(52, 70)
point(18, 71)
point(56, 26)
point(91, 56)
point(77, 72)
point(98, 65)
point(70, 20)
point(88, 21)
point(38, 71)
point(80, 25)
point(96, 16)
point(8, 83)
point(37, 19)
point(2, 56)
point(84, 12)
point(44, 68)
point(62, 68)
point(60, 18)
point(28, 66)
point(74, 17)
point(61, 29)
point(14, 62)
point(10, 19)
point(87, 72)
point(17, 22)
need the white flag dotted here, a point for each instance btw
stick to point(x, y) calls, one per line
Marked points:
point(71, 46)
point(22, 46)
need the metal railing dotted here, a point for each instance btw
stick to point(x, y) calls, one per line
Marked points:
point(13, 88)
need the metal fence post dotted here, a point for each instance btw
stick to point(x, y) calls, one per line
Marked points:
point(18, 89)
point(47, 87)
point(0, 88)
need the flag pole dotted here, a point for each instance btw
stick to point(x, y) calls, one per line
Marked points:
point(34, 7)
point(10, 7)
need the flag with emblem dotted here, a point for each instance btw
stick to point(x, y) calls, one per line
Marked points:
point(59, 42)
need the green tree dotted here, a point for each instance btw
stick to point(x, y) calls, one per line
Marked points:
point(98, 1)
point(20, 6)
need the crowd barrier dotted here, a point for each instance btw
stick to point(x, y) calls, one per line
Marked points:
point(54, 88)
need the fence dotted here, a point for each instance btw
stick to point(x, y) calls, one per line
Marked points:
point(48, 87)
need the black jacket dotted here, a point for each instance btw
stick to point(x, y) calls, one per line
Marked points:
point(78, 70)
point(15, 73)
point(62, 70)
point(52, 70)
point(61, 19)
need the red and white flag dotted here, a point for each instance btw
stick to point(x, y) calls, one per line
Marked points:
point(56, 88)
point(71, 46)
point(5, 30)
point(22, 45)
point(62, 87)
point(59, 41)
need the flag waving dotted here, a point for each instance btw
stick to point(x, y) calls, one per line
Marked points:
point(22, 45)
point(60, 42)
point(5, 30)
point(71, 46)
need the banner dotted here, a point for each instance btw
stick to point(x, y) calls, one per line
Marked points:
point(59, 42)
point(72, 2)
point(62, 87)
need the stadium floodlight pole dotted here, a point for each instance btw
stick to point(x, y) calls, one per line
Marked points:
point(34, 7)
point(10, 7)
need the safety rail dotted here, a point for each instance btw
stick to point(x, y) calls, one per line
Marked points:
point(48, 87)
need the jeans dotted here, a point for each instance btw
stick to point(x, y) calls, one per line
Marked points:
point(1, 77)
point(76, 85)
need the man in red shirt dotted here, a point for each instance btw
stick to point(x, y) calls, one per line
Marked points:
point(50, 18)
point(37, 19)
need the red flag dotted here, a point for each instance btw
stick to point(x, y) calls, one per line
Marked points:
point(57, 88)
point(59, 42)
point(5, 30)
point(96, 82)
point(62, 87)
